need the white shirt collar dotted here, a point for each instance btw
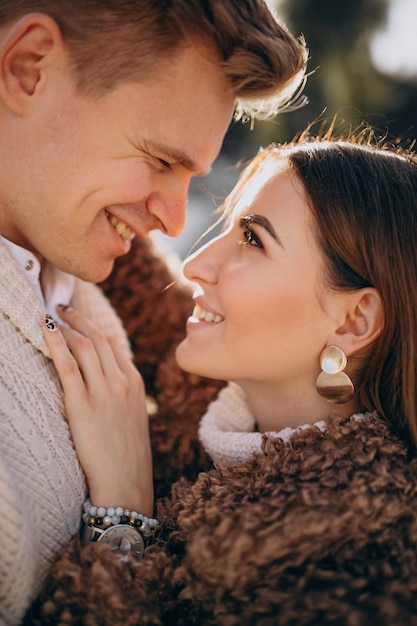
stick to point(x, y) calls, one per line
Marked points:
point(58, 286)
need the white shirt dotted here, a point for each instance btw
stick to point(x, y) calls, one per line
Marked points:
point(58, 286)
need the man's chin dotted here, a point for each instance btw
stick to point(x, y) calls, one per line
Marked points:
point(96, 275)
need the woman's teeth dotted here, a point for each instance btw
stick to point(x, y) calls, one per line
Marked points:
point(205, 316)
point(121, 228)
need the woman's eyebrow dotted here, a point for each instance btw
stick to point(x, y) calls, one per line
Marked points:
point(261, 220)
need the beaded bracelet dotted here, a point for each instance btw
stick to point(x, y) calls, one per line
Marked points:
point(103, 517)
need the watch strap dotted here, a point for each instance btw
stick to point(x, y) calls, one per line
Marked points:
point(90, 533)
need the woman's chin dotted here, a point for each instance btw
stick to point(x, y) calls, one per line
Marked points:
point(189, 361)
point(181, 357)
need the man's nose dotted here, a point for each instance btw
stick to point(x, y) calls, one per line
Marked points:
point(169, 205)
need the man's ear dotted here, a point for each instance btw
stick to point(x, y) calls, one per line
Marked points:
point(363, 323)
point(28, 48)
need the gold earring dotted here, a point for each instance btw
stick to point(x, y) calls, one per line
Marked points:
point(332, 383)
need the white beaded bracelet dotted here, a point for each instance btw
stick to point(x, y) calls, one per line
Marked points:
point(111, 516)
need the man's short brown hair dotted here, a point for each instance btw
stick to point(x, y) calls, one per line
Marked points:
point(111, 41)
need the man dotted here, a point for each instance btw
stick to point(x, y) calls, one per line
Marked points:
point(107, 109)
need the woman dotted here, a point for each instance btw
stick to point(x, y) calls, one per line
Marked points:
point(306, 305)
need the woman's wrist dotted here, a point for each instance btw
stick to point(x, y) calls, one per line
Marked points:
point(111, 516)
point(106, 498)
point(110, 487)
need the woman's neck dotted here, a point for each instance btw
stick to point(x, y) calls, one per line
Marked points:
point(274, 410)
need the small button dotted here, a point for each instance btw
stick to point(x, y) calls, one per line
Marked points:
point(29, 265)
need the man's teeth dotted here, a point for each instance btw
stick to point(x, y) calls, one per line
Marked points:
point(121, 228)
point(205, 316)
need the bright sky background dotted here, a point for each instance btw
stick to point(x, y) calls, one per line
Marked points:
point(394, 50)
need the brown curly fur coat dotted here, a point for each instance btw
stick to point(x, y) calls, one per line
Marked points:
point(321, 530)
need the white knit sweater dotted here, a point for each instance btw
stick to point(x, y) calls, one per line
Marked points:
point(227, 429)
point(42, 486)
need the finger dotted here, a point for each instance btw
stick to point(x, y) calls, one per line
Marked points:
point(85, 387)
point(104, 379)
point(123, 359)
point(109, 425)
point(88, 361)
point(86, 393)
point(85, 328)
point(66, 365)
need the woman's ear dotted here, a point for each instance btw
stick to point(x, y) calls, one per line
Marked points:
point(363, 323)
point(27, 49)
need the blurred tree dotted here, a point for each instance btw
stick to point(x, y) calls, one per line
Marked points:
point(342, 79)
point(345, 82)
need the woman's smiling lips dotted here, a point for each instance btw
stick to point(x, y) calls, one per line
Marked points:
point(202, 314)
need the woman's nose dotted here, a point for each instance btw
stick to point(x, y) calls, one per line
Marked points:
point(204, 265)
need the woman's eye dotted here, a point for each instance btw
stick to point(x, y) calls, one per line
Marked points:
point(250, 238)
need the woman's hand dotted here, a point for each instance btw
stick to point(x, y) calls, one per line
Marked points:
point(104, 399)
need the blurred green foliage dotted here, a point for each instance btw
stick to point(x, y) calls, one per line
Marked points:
point(342, 80)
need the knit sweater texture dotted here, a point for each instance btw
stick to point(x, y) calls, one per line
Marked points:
point(42, 486)
point(227, 429)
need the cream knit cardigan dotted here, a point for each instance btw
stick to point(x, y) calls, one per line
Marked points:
point(42, 486)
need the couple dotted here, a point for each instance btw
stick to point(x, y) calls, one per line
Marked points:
point(103, 129)
point(305, 305)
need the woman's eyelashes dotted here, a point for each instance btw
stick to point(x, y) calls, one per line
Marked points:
point(249, 235)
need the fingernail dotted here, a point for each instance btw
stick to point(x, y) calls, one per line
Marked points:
point(50, 323)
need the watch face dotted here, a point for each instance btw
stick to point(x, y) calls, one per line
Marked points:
point(124, 539)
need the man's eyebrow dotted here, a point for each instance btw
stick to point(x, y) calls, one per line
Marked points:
point(179, 156)
point(261, 220)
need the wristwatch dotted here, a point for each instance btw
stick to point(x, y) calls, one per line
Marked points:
point(122, 538)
